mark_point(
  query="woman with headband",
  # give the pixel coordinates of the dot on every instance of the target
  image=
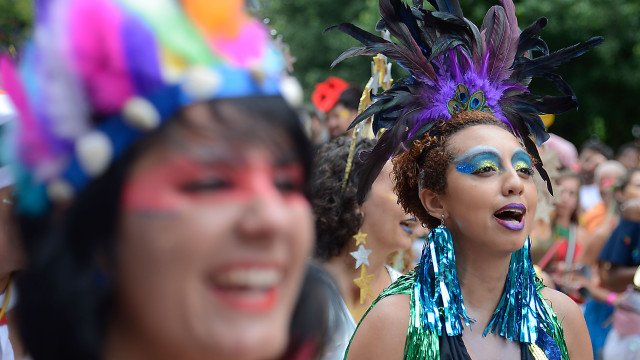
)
(355, 241)
(462, 130)
(161, 186)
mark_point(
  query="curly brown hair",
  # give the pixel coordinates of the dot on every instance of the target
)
(425, 163)
(337, 212)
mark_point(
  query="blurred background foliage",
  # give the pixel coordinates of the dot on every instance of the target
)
(607, 80)
(15, 22)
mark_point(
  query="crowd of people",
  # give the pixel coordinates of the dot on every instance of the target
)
(165, 195)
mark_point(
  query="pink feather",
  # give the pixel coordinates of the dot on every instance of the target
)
(247, 48)
(97, 52)
(33, 145)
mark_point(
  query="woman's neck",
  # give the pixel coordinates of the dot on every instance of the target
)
(482, 279)
(124, 342)
(564, 221)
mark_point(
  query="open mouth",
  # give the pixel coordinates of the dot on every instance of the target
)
(408, 224)
(247, 289)
(511, 216)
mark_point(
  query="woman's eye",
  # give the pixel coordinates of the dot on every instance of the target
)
(485, 169)
(206, 185)
(527, 171)
(288, 185)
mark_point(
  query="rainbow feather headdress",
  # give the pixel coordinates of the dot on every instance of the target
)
(100, 74)
(455, 66)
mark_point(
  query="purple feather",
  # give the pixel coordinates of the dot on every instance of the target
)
(500, 33)
(141, 55)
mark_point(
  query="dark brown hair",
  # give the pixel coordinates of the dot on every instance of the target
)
(337, 211)
(425, 163)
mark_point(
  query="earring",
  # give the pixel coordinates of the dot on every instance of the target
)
(438, 286)
(521, 311)
(362, 261)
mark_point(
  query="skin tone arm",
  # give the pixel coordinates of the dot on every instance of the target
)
(616, 278)
(382, 333)
(575, 328)
(595, 241)
(631, 209)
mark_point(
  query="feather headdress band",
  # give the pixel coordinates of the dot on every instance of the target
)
(454, 66)
(100, 74)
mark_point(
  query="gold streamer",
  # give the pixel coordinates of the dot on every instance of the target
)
(380, 79)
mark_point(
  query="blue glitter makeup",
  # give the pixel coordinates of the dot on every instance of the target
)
(478, 158)
(521, 160)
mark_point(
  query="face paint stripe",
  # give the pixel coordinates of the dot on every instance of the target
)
(477, 158)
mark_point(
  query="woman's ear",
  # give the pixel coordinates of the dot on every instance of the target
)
(432, 203)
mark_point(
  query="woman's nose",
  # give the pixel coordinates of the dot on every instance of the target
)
(513, 183)
(266, 212)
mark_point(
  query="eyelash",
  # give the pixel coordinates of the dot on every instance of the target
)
(284, 184)
(488, 168)
(288, 185)
(206, 185)
(527, 171)
(524, 168)
(485, 169)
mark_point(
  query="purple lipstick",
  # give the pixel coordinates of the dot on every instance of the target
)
(511, 216)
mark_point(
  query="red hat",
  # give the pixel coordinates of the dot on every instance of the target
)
(326, 94)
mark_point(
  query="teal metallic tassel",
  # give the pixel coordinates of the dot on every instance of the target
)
(437, 286)
(521, 313)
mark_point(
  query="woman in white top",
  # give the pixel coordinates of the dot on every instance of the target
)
(354, 242)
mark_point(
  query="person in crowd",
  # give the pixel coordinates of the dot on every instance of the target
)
(592, 154)
(600, 221)
(11, 252)
(629, 155)
(162, 187)
(616, 264)
(341, 115)
(621, 254)
(623, 342)
(318, 132)
(339, 101)
(555, 246)
(565, 151)
(354, 241)
(460, 132)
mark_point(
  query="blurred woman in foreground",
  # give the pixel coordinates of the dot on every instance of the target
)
(162, 186)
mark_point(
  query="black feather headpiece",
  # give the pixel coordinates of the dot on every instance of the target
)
(454, 66)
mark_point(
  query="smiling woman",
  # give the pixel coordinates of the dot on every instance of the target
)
(163, 187)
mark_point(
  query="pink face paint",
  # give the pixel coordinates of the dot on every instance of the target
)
(180, 181)
(152, 189)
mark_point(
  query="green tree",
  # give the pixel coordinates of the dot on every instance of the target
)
(606, 80)
(15, 22)
(302, 25)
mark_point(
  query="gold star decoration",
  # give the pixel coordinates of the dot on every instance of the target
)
(364, 283)
(361, 238)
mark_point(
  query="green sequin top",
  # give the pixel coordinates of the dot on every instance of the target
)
(424, 344)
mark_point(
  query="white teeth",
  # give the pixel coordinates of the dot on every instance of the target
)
(249, 278)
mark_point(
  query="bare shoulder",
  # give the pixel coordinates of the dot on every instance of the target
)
(382, 333)
(562, 305)
(573, 324)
